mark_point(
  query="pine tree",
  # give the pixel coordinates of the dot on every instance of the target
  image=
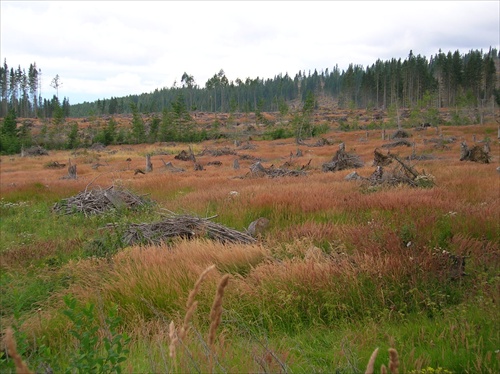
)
(138, 129)
(9, 142)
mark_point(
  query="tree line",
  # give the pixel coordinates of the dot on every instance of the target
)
(20, 92)
(450, 78)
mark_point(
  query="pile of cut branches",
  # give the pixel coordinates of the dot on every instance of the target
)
(34, 151)
(401, 173)
(319, 143)
(182, 226)
(441, 142)
(98, 201)
(258, 170)
(218, 152)
(343, 160)
(54, 165)
(397, 143)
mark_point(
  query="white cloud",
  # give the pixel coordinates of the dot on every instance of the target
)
(103, 49)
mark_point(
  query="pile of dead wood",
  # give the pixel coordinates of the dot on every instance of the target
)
(400, 134)
(218, 152)
(182, 226)
(400, 174)
(381, 159)
(98, 201)
(186, 156)
(258, 170)
(171, 168)
(398, 143)
(342, 161)
(54, 165)
(319, 143)
(247, 146)
(475, 154)
(34, 151)
(441, 142)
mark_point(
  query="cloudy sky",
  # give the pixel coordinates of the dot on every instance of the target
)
(103, 49)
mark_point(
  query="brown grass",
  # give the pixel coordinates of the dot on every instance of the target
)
(10, 343)
(359, 231)
(191, 303)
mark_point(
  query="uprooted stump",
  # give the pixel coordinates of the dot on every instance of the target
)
(258, 170)
(98, 201)
(400, 134)
(182, 226)
(343, 160)
(186, 156)
(475, 154)
(381, 159)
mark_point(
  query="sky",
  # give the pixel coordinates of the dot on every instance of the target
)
(110, 49)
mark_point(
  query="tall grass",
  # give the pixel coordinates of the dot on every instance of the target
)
(340, 271)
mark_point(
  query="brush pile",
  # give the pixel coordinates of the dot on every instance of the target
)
(99, 201)
(397, 143)
(217, 152)
(400, 174)
(182, 226)
(34, 151)
(54, 165)
(343, 160)
(258, 170)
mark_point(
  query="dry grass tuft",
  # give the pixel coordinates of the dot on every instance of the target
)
(371, 362)
(174, 339)
(191, 303)
(10, 343)
(393, 361)
(216, 311)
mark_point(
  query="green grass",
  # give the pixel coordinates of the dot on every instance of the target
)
(281, 311)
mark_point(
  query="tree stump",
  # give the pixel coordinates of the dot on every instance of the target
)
(257, 227)
(72, 172)
(149, 165)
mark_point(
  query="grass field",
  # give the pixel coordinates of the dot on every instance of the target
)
(342, 269)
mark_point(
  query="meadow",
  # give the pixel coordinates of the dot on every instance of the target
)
(343, 268)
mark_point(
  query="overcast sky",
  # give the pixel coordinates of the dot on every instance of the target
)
(111, 49)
